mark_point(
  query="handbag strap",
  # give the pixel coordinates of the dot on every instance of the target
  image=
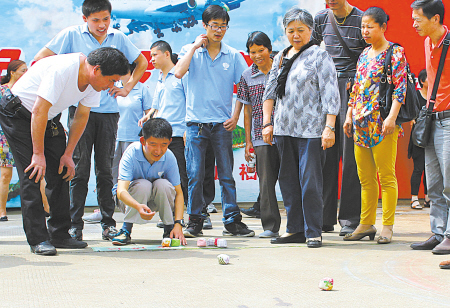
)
(386, 77)
(439, 72)
(339, 36)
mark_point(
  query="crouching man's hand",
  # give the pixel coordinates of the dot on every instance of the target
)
(145, 212)
(177, 232)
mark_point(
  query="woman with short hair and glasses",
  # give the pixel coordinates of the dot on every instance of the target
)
(303, 84)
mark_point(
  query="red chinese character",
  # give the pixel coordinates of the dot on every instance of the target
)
(244, 173)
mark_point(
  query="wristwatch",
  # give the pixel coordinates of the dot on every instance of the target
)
(331, 127)
(179, 221)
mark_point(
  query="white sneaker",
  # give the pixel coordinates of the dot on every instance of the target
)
(211, 208)
(93, 218)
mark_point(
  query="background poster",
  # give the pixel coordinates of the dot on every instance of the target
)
(29, 24)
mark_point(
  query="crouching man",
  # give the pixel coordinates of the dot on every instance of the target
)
(149, 181)
(38, 141)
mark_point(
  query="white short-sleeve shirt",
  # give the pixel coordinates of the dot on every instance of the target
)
(55, 79)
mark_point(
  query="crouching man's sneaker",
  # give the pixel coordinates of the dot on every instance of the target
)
(69, 243)
(109, 233)
(237, 229)
(122, 238)
(194, 227)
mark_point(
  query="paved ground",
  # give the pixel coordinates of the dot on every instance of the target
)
(259, 275)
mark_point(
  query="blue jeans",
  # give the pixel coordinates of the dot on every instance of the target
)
(197, 137)
(437, 168)
(301, 183)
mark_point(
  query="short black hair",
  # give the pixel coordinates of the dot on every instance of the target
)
(158, 128)
(94, 6)
(377, 14)
(422, 77)
(215, 12)
(163, 46)
(258, 38)
(430, 8)
(111, 61)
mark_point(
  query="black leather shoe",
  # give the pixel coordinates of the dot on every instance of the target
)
(429, 244)
(44, 248)
(251, 212)
(443, 248)
(69, 243)
(294, 238)
(327, 228)
(314, 243)
(346, 230)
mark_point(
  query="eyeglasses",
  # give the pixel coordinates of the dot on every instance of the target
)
(215, 27)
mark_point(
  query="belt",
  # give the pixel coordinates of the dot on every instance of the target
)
(440, 115)
(345, 74)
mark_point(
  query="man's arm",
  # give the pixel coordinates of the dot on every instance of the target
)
(177, 231)
(248, 129)
(148, 114)
(39, 118)
(43, 53)
(76, 130)
(231, 123)
(141, 66)
(182, 65)
(124, 196)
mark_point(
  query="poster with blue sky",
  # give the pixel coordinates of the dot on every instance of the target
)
(29, 24)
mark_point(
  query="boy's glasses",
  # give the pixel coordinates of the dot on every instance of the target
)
(215, 27)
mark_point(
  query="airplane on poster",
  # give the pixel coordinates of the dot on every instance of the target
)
(144, 15)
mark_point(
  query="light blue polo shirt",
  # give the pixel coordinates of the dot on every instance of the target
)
(134, 166)
(170, 100)
(209, 92)
(131, 109)
(79, 39)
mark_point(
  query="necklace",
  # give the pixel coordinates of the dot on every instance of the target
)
(341, 23)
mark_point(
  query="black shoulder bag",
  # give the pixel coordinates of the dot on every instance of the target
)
(422, 130)
(410, 108)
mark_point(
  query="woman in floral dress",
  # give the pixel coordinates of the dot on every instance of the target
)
(375, 137)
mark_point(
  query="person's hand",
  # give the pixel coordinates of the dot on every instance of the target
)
(177, 232)
(348, 127)
(201, 41)
(67, 161)
(115, 91)
(145, 212)
(144, 119)
(267, 134)
(38, 165)
(328, 138)
(248, 146)
(184, 138)
(412, 123)
(230, 124)
(388, 126)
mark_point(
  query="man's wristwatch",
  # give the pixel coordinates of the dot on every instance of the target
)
(179, 221)
(331, 127)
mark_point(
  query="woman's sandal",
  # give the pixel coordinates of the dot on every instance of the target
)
(416, 205)
(427, 203)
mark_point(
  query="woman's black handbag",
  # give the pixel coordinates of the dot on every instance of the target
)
(422, 130)
(410, 108)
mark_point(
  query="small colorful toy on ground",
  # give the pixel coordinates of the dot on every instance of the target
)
(326, 284)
